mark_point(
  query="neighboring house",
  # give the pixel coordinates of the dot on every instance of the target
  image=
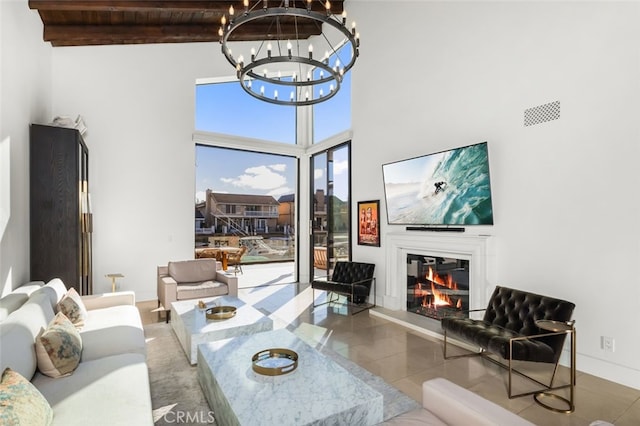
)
(240, 213)
(319, 211)
(340, 209)
(287, 213)
(200, 225)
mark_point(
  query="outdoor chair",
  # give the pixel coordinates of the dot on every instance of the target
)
(320, 257)
(235, 259)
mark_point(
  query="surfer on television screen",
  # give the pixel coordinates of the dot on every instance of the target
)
(439, 186)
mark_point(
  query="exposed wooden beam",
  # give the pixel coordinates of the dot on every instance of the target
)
(80, 35)
(130, 6)
(158, 5)
(93, 22)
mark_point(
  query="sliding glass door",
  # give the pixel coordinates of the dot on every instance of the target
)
(330, 209)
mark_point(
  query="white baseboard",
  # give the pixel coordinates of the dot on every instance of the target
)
(607, 370)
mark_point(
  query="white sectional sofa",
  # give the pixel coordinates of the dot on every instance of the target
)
(17, 298)
(445, 403)
(110, 386)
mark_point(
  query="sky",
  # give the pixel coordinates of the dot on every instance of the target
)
(242, 172)
(226, 108)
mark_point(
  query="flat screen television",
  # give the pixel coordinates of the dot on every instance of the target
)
(444, 188)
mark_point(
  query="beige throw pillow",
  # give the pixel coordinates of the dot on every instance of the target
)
(59, 347)
(73, 308)
(21, 403)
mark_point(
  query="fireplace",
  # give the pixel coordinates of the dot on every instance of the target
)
(437, 286)
(473, 253)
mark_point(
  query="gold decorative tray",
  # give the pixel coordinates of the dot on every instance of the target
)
(275, 362)
(221, 312)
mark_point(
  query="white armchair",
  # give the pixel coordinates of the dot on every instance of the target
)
(193, 279)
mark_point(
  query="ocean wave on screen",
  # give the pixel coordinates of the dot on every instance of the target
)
(465, 199)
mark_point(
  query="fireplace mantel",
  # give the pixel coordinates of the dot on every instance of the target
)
(474, 248)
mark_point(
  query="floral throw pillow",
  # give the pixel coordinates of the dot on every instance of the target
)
(59, 347)
(72, 307)
(21, 403)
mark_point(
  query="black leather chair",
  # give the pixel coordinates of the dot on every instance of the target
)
(508, 329)
(351, 279)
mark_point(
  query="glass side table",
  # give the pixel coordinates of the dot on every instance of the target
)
(568, 328)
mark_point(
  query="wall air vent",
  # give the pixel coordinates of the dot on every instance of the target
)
(542, 113)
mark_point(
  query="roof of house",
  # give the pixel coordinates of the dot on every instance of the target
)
(289, 198)
(248, 199)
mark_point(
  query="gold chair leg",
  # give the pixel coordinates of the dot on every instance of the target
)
(329, 300)
(444, 351)
(509, 366)
(367, 305)
(510, 369)
(470, 354)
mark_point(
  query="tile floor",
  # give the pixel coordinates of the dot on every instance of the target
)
(405, 358)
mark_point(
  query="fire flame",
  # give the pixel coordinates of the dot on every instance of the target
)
(438, 298)
(435, 278)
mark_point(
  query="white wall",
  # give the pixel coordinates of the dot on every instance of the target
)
(138, 103)
(566, 197)
(25, 97)
(565, 192)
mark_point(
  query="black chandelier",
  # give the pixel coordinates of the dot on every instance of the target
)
(284, 67)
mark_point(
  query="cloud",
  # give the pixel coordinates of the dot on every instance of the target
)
(340, 167)
(280, 191)
(262, 178)
(278, 167)
(201, 196)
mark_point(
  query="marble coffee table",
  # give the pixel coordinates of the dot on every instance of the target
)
(317, 392)
(191, 332)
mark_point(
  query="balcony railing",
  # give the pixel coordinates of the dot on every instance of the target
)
(260, 214)
(204, 230)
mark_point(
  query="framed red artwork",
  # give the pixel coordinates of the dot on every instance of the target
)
(369, 223)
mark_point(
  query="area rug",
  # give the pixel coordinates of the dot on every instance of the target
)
(177, 398)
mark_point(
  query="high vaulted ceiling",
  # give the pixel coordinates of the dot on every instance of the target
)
(99, 22)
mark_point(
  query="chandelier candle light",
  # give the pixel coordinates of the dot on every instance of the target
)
(285, 62)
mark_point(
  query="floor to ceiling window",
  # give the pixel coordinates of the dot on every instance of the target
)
(331, 182)
(245, 192)
(246, 173)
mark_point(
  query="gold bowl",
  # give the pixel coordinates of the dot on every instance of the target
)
(274, 362)
(221, 312)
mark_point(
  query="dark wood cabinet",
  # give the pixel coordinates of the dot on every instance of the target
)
(60, 207)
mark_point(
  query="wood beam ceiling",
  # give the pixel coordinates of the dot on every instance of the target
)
(102, 22)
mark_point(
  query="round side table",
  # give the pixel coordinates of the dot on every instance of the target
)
(567, 328)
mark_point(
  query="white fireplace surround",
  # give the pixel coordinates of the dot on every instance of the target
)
(474, 248)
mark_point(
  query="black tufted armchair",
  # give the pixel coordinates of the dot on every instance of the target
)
(350, 279)
(508, 329)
